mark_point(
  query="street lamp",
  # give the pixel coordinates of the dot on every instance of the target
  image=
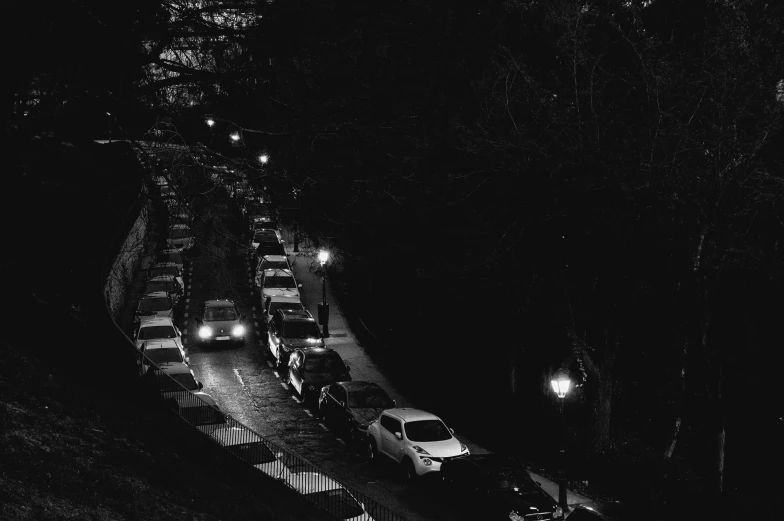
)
(210, 122)
(263, 159)
(295, 191)
(561, 384)
(323, 308)
(109, 121)
(235, 136)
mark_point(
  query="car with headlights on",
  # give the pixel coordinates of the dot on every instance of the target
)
(250, 448)
(279, 283)
(496, 487)
(172, 255)
(312, 368)
(156, 328)
(289, 330)
(417, 440)
(156, 304)
(219, 323)
(166, 268)
(353, 406)
(165, 283)
(329, 495)
(179, 237)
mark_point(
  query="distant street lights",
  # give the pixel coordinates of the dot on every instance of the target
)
(323, 309)
(561, 385)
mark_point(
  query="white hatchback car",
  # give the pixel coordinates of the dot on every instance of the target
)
(156, 328)
(278, 283)
(329, 495)
(417, 440)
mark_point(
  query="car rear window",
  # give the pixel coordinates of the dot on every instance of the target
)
(304, 329)
(169, 383)
(273, 265)
(325, 363)
(152, 332)
(164, 355)
(179, 233)
(255, 453)
(176, 258)
(279, 281)
(154, 304)
(288, 306)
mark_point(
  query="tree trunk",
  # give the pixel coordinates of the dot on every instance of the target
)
(603, 405)
(679, 420)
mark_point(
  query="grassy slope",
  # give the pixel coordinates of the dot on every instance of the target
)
(67, 454)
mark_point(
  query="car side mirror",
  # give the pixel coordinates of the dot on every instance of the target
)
(399, 436)
(201, 386)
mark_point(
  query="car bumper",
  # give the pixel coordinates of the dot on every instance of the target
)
(222, 340)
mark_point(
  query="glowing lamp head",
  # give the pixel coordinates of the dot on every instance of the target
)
(561, 385)
(210, 122)
(235, 136)
(323, 256)
(263, 159)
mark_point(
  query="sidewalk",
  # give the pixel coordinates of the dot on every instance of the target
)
(342, 340)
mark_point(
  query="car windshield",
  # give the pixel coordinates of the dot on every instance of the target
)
(273, 265)
(427, 430)
(325, 363)
(288, 306)
(371, 397)
(262, 236)
(161, 285)
(265, 225)
(271, 248)
(337, 502)
(151, 332)
(154, 304)
(279, 281)
(179, 233)
(164, 355)
(304, 329)
(510, 478)
(176, 258)
(255, 453)
(186, 380)
(220, 314)
(170, 270)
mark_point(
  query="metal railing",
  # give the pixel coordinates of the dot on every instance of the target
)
(268, 457)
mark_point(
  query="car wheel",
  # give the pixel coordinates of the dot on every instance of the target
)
(371, 451)
(409, 472)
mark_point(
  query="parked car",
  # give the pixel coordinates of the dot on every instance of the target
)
(175, 378)
(602, 511)
(156, 328)
(497, 487)
(273, 303)
(271, 262)
(198, 409)
(250, 448)
(161, 353)
(166, 268)
(312, 368)
(329, 495)
(155, 304)
(289, 330)
(165, 283)
(353, 406)
(172, 255)
(269, 248)
(417, 440)
(279, 283)
(180, 237)
(180, 218)
(266, 223)
(264, 236)
(219, 322)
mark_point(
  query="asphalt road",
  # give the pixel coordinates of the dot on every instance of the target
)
(244, 384)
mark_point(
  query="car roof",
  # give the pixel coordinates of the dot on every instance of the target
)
(274, 258)
(271, 272)
(310, 482)
(179, 226)
(156, 321)
(175, 368)
(162, 278)
(163, 343)
(155, 294)
(218, 303)
(284, 298)
(295, 314)
(408, 414)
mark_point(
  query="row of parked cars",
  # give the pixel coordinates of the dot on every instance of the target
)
(497, 487)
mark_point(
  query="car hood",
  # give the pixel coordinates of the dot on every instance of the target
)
(529, 501)
(440, 449)
(295, 343)
(221, 326)
(366, 415)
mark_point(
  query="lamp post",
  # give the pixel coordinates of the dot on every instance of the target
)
(561, 384)
(296, 221)
(109, 125)
(323, 309)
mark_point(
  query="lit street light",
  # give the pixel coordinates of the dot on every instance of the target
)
(235, 136)
(561, 384)
(210, 122)
(263, 159)
(323, 308)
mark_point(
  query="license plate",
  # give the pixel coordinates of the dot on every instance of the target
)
(221, 338)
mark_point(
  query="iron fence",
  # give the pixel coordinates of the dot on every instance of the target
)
(182, 394)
